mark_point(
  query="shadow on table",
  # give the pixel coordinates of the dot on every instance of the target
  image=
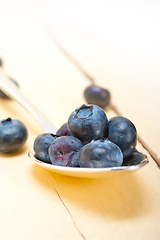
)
(119, 197)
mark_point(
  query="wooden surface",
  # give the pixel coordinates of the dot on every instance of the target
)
(37, 204)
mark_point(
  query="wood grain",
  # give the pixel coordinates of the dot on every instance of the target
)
(37, 204)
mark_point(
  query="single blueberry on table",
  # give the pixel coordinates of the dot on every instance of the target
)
(97, 95)
(88, 122)
(100, 154)
(13, 135)
(64, 151)
(63, 130)
(41, 146)
(122, 132)
(3, 95)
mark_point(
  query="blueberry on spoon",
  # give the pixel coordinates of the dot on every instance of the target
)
(88, 122)
(64, 151)
(122, 132)
(64, 130)
(41, 146)
(134, 158)
(100, 154)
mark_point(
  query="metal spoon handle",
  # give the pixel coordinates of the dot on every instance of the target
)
(9, 88)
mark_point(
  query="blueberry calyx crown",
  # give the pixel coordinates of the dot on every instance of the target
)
(99, 139)
(5, 121)
(54, 135)
(84, 111)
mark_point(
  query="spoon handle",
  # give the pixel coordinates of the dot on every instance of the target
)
(9, 88)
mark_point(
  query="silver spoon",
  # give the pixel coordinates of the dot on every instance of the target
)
(9, 88)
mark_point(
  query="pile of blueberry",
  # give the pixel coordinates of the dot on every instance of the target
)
(89, 140)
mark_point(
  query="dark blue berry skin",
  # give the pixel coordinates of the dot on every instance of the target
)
(13, 135)
(134, 158)
(3, 95)
(87, 123)
(122, 132)
(100, 154)
(41, 146)
(64, 151)
(97, 95)
(63, 130)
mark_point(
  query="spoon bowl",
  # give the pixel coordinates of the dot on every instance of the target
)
(13, 92)
(89, 172)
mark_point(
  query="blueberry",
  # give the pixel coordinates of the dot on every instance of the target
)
(87, 123)
(134, 158)
(97, 95)
(1, 62)
(63, 130)
(122, 132)
(13, 135)
(64, 151)
(3, 95)
(41, 146)
(100, 154)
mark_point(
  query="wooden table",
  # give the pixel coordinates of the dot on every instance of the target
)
(38, 204)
